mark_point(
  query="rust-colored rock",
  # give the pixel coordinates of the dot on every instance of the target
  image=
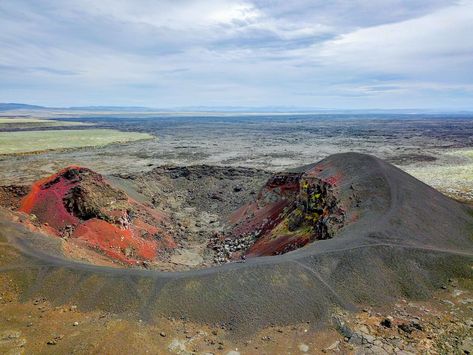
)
(293, 209)
(80, 204)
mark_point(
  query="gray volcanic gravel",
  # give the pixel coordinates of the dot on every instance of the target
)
(404, 239)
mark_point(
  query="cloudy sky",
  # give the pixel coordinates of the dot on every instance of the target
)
(174, 53)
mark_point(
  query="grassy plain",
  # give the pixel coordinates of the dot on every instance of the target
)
(37, 141)
(31, 122)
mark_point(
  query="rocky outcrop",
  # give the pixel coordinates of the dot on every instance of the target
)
(291, 210)
(80, 205)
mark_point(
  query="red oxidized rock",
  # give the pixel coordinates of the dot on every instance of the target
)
(80, 204)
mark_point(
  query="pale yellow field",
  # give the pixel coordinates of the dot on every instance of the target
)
(37, 141)
(26, 122)
(455, 180)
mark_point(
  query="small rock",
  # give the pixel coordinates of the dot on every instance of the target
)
(10, 335)
(410, 327)
(387, 323)
(178, 346)
(356, 339)
(369, 338)
(396, 342)
(75, 324)
(342, 328)
(364, 329)
(303, 347)
(52, 342)
(334, 345)
(466, 346)
(416, 324)
(378, 350)
(163, 334)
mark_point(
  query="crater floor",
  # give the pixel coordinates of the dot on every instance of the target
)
(179, 218)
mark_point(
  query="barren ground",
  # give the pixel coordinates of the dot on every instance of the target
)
(169, 172)
(434, 148)
(442, 325)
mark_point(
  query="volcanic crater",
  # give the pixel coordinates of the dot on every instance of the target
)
(352, 229)
(179, 218)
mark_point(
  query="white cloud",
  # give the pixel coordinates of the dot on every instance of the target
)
(440, 40)
(237, 52)
(172, 14)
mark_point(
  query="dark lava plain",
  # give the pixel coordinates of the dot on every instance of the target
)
(404, 240)
(271, 142)
(435, 148)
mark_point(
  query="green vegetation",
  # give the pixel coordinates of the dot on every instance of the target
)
(29, 122)
(37, 141)
(21, 120)
(463, 152)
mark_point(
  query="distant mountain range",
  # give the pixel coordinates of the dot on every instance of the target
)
(19, 106)
(226, 109)
(16, 106)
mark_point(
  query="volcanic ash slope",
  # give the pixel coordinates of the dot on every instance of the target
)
(400, 238)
